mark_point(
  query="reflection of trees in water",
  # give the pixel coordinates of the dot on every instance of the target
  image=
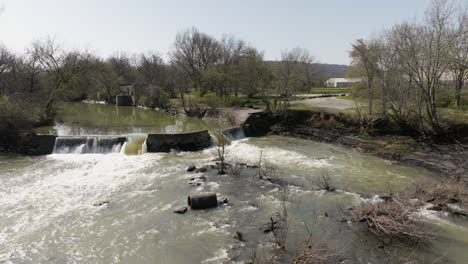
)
(86, 119)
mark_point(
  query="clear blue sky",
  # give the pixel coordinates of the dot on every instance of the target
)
(326, 27)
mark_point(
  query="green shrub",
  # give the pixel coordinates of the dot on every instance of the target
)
(163, 99)
(14, 119)
(212, 100)
(444, 98)
(144, 100)
(235, 101)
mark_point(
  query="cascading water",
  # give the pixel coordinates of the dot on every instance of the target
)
(88, 144)
(135, 144)
(235, 133)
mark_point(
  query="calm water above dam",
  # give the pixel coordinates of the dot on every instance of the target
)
(48, 212)
(103, 119)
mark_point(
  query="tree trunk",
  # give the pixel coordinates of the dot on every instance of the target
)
(459, 81)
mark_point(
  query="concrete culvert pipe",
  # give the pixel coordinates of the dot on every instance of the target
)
(202, 200)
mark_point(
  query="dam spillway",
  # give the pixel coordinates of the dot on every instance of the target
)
(88, 144)
(130, 144)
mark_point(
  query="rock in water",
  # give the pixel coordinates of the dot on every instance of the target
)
(239, 236)
(191, 168)
(200, 170)
(224, 201)
(181, 210)
(101, 203)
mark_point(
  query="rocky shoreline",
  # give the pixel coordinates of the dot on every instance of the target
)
(445, 158)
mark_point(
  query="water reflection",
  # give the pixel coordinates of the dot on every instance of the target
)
(99, 119)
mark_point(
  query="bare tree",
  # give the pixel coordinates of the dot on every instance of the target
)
(122, 65)
(307, 59)
(364, 54)
(288, 71)
(459, 53)
(405, 66)
(425, 53)
(194, 52)
(33, 66)
(6, 60)
(60, 66)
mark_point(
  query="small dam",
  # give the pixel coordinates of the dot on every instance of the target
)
(131, 144)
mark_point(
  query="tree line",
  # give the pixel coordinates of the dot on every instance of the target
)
(198, 66)
(409, 69)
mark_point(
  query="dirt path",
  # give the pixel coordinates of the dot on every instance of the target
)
(327, 102)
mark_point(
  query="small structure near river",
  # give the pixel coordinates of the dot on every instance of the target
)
(126, 97)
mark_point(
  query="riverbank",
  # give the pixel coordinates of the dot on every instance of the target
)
(445, 158)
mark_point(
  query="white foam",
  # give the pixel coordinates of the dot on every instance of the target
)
(219, 257)
(243, 151)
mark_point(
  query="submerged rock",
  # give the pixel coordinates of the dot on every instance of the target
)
(223, 201)
(438, 207)
(239, 236)
(202, 169)
(191, 168)
(101, 203)
(181, 210)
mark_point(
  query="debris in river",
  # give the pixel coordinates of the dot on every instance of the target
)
(342, 220)
(386, 197)
(397, 218)
(181, 210)
(325, 184)
(202, 200)
(273, 224)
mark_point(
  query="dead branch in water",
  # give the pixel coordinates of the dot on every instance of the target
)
(393, 219)
(315, 253)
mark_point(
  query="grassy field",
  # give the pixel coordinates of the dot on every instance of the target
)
(330, 90)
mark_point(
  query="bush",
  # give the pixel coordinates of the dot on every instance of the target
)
(14, 119)
(234, 101)
(449, 192)
(212, 100)
(144, 100)
(444, 98)
(163, 100)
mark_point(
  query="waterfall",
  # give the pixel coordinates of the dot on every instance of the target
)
(135, 144)
(234, 133)
(88, 144)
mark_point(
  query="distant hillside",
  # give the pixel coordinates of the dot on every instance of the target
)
(331, 70)
(325, 70)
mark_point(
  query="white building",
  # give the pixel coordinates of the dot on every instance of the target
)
(341, 82)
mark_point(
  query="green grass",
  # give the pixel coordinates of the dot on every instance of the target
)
(330, 90)
(304, 107)
(459, 116)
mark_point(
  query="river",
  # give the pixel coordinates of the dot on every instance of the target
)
(118, 208)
